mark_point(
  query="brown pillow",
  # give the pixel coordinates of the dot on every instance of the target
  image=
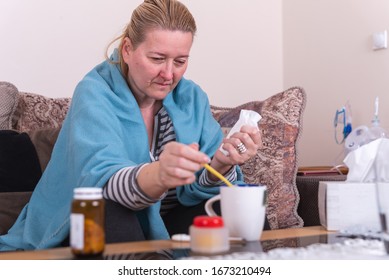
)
(44, 140)
(275, 164)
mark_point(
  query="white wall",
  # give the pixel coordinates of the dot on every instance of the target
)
(244, 50)
(328, 51)
(47, 46)
(237, 54)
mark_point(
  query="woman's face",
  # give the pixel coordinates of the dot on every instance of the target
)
(156, 65)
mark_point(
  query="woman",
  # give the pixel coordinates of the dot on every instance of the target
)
(139, 130)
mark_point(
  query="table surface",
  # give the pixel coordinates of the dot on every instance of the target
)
(160, 245)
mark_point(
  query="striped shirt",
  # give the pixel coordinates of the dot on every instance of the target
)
(123, 187)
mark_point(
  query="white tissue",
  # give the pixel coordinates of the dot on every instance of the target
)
(369, 163)
(246, 117)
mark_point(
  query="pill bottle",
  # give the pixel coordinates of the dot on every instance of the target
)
(208, 235)
(87, 235)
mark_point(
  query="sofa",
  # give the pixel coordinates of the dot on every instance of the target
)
(30, 123)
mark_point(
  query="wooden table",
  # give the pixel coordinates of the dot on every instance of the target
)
(154, 245)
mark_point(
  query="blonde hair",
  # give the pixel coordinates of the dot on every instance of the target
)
(154, 14)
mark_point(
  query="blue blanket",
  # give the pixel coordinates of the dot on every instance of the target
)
(102, 133)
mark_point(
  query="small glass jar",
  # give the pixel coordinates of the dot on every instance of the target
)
(87, 234)
(208, 235)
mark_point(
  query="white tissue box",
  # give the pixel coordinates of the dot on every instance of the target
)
(344, 205)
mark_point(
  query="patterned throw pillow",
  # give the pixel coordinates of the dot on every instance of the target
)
(35, 112)
(275, 164)
(8, 102)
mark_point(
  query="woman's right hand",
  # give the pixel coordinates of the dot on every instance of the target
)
(176, 166)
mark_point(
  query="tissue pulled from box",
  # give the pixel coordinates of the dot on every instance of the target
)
(246, 117)
(369, 163)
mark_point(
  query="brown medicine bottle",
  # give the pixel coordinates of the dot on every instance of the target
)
(87, 235)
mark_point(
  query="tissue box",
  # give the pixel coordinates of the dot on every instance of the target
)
(344, 205)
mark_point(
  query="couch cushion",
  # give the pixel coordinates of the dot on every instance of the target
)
(275, 164)
(8, 103)
(11, 203)
(36, 112)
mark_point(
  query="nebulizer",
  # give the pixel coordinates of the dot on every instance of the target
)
(362, 135)
(353, 138)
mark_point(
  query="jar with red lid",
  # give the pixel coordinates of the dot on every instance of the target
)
(208, 235)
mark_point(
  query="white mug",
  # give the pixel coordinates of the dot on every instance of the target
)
(243, 208)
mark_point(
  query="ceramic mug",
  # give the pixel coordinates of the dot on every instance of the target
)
(243, 208)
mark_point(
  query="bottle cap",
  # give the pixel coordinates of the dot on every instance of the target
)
(88, 193)
(208, 221)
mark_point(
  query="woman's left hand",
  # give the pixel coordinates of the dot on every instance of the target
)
(241, 146)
